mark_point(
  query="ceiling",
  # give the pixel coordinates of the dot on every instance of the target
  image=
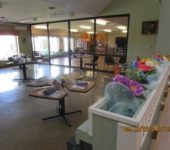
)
(35, 11)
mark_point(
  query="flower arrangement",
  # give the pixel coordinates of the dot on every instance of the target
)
(135, 87)
(145, 65)
(137, 75)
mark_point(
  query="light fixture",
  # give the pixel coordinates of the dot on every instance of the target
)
(73, 30)
(28, 20)
(121, 27)
(124, 31)
(85, 27)
(40, 27)
(90, 32)
(100, 22)
(107, 30)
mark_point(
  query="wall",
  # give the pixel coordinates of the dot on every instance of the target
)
(163, 44)
(139, 10)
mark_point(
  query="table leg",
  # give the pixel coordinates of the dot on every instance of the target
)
(23, 66)
(24, 72)
(81, 63)
(62, 112)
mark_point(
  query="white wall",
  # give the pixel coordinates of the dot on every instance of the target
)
(163, 40)
(139, 10)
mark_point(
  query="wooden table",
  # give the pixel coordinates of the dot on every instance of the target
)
(72, 88)
(40, 82)
(60, 97)
(73, 76)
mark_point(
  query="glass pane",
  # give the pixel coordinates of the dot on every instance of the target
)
(111, 38)
(8, 46)
(40, 43)
(59, 43)
(81, 41)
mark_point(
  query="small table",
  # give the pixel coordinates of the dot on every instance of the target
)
(72, 88)
(59, 96)
(24, 69)
(40, 82)
(73, 76)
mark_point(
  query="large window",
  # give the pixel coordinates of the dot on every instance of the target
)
(54, 44)
(40, 44)
(71, 40)
(58, 35)
(8, 46)
(65, 39)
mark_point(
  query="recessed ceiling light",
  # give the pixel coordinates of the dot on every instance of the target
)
(100, 21)
(121, 27)
(40, 26)
(73, 30)
(85, 27)
(28, 20)
(124, 31)
(107, 30)
(90, 32)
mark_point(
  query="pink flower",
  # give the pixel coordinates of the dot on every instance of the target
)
(136, 88)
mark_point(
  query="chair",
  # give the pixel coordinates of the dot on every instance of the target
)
(122, 60)
(93, 63)
(109, 60)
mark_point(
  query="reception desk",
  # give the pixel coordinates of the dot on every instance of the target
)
(106, 130)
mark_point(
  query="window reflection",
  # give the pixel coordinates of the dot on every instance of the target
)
(59, 50)
(109, 42)
(40, 43)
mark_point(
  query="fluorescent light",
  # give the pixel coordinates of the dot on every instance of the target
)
(90, 32)
(85, 27)
(27, 20)
(107, 30)
(40, 26)
(100, 22)
(121, 27)
(73, 30)
(124, 31)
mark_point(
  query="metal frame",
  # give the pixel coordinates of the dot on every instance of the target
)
(94, 37)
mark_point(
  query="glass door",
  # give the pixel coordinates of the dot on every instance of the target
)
(40, 43)
(111, 41)
(81, 42)
(59, 48)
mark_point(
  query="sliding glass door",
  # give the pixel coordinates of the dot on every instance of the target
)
(40, 43)
(59, 49)
(75, 42)
(81, 40)
(111, 41)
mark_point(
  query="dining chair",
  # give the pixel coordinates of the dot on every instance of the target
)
(92, 63)
(109, 60)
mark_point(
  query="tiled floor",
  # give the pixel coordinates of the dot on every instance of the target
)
(75, 61)
(21, 127)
